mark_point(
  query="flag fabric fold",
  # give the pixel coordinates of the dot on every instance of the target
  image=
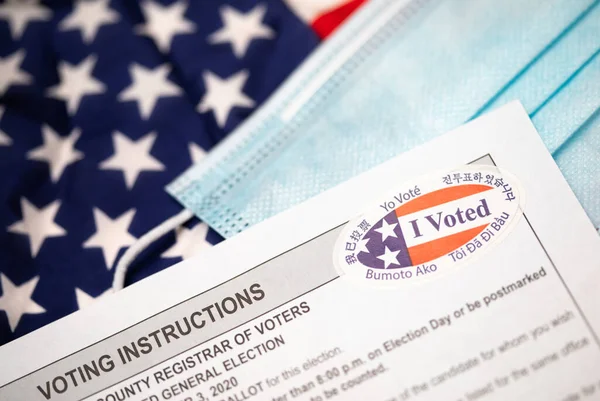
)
(103, 103)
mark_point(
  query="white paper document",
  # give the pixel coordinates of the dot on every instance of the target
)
(463, 270)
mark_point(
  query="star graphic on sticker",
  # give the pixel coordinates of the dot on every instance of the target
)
(148, 85)
(5, 140)
(38, 224)
(389, 257)
(58, 152)
(164, 22)
(240, 29)
(132, 157)
(197, 154)
(76, 81)
(189, 242)
(224, 94)
(19, 13)
(16, 300)
(88, 16)
(111, 235)
(84, 299)
(10, 73)
(361, 246)
(387, 230)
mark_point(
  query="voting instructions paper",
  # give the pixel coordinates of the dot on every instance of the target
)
(463, 270)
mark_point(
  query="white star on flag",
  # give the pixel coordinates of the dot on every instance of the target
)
(111, 235)
(10, 73)
(148, 85)
(389, 257)
(5, 140)
(76, 81)
(197, 154)
(84, 299)
(164, 22)
(240, 29)
(88, 16)
(58, 152)
(132, 157)
(38, 224)
(16, 300)
(19, 13)
(189, 242)
(223, 94)
(387, 230)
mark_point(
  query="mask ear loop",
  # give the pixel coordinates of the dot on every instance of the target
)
(142, 244)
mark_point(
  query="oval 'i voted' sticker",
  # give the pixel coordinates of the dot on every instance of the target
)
(429, 226)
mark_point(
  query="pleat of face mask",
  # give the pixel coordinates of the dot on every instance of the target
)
(426, 69)
(555, 66)
(567, 110)
(579, 161)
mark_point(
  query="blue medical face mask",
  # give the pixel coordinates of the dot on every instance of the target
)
(398, 74)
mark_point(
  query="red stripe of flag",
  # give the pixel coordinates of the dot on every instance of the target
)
(326, 23)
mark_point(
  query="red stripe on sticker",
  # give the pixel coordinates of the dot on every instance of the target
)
(431, 250)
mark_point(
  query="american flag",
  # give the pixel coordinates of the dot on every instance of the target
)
(103, 103)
